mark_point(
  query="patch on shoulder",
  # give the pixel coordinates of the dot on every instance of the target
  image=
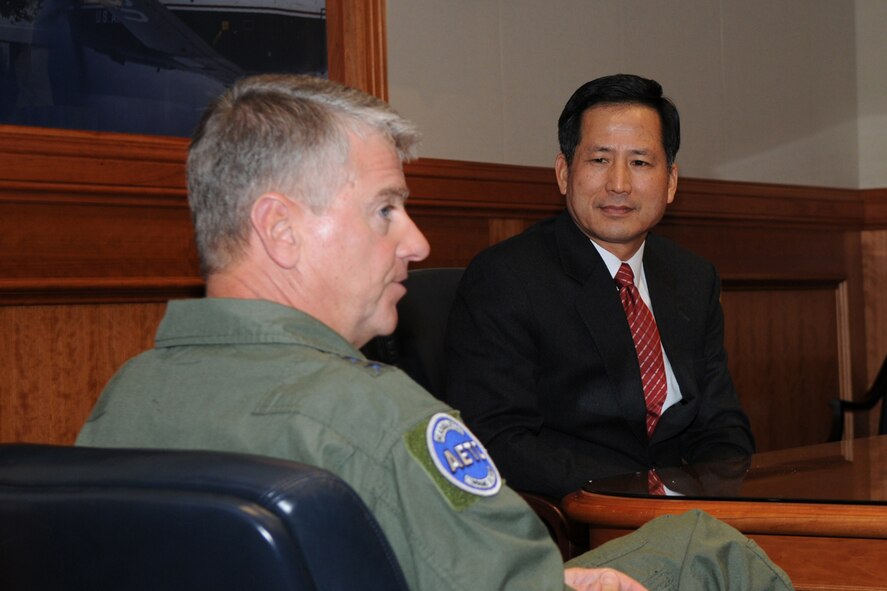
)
(456, 460)
(460, 457)
(373, 368)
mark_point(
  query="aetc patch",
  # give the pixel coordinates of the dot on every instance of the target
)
(460, 457)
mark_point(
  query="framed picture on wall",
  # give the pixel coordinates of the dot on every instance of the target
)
(145, 66)
(92, 216)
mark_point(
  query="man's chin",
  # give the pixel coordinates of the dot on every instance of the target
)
(391, 325)
(386, 326)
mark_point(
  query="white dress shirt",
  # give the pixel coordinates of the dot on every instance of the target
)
(636, 262)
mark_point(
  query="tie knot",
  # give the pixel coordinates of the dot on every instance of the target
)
(624, 276)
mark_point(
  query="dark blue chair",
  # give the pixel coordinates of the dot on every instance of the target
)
(100, 519)
(417, 346)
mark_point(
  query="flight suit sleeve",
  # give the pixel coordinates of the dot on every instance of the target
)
(692, 550)
(480, 535)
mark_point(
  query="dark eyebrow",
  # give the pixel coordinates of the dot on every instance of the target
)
(638, 151)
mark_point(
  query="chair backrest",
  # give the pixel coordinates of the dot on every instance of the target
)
(879, 390)
(418, 348)
(876, 394)
(417, 345)
(100, 519)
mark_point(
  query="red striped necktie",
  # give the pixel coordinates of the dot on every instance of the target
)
(647, 344)
(655, 486)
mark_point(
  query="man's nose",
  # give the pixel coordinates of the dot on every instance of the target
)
(414, 247)
(619, 178)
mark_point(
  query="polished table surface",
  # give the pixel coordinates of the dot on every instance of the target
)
(819, 511)
(852, 471)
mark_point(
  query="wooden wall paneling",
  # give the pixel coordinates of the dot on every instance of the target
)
(502, 228)
(786, 241)
(56, 360)
(875, 207)
(357, 50)
(95, 236)
(742, 251)
(786, 356)
(454, 238)
(874, 268)
(874, 286)
(513, 191)
(873, 242)
(844, 355)
(88, 216)
(101, 161)
(464, 207)
(120, 233)
(768, 205)
(856, 373)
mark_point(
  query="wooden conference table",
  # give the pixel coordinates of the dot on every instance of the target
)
(820, 512)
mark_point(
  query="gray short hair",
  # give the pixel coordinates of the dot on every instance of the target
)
(277, 132)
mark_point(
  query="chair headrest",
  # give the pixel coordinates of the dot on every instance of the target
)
(128, 518)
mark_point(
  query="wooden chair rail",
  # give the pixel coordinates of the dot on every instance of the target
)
(774, 518)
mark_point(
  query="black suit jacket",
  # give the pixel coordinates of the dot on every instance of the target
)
(541, 362)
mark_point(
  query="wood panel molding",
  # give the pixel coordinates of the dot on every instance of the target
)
(83, 209)
(357, 46)
(782, 363)
(778, 518)
(796, 536)
(92, 219)
(84, 164)
(95, 234)
(98, 290)
(477, 188)
(532, 190)
(766, 205)
(875, 205)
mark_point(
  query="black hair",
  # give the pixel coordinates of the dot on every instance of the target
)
(626, 89)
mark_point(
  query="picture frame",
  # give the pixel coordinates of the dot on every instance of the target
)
(102, 217)
(151, 66)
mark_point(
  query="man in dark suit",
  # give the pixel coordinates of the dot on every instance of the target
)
(542, 359)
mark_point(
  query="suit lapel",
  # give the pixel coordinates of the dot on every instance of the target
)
(597, 303)
(673, 321)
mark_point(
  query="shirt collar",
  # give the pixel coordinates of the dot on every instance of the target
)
(209, 321)
(636, 262)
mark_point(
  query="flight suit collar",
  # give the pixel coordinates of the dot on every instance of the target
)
(230, 321)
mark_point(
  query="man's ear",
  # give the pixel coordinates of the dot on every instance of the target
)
(672, 182)
(562, 172)
(274, 221)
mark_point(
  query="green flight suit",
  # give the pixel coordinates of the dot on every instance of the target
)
(256, 377)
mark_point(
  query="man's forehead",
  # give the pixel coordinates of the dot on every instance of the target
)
(629, 114)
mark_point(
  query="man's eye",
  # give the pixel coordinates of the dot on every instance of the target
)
(641, 163)
(386, 211)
